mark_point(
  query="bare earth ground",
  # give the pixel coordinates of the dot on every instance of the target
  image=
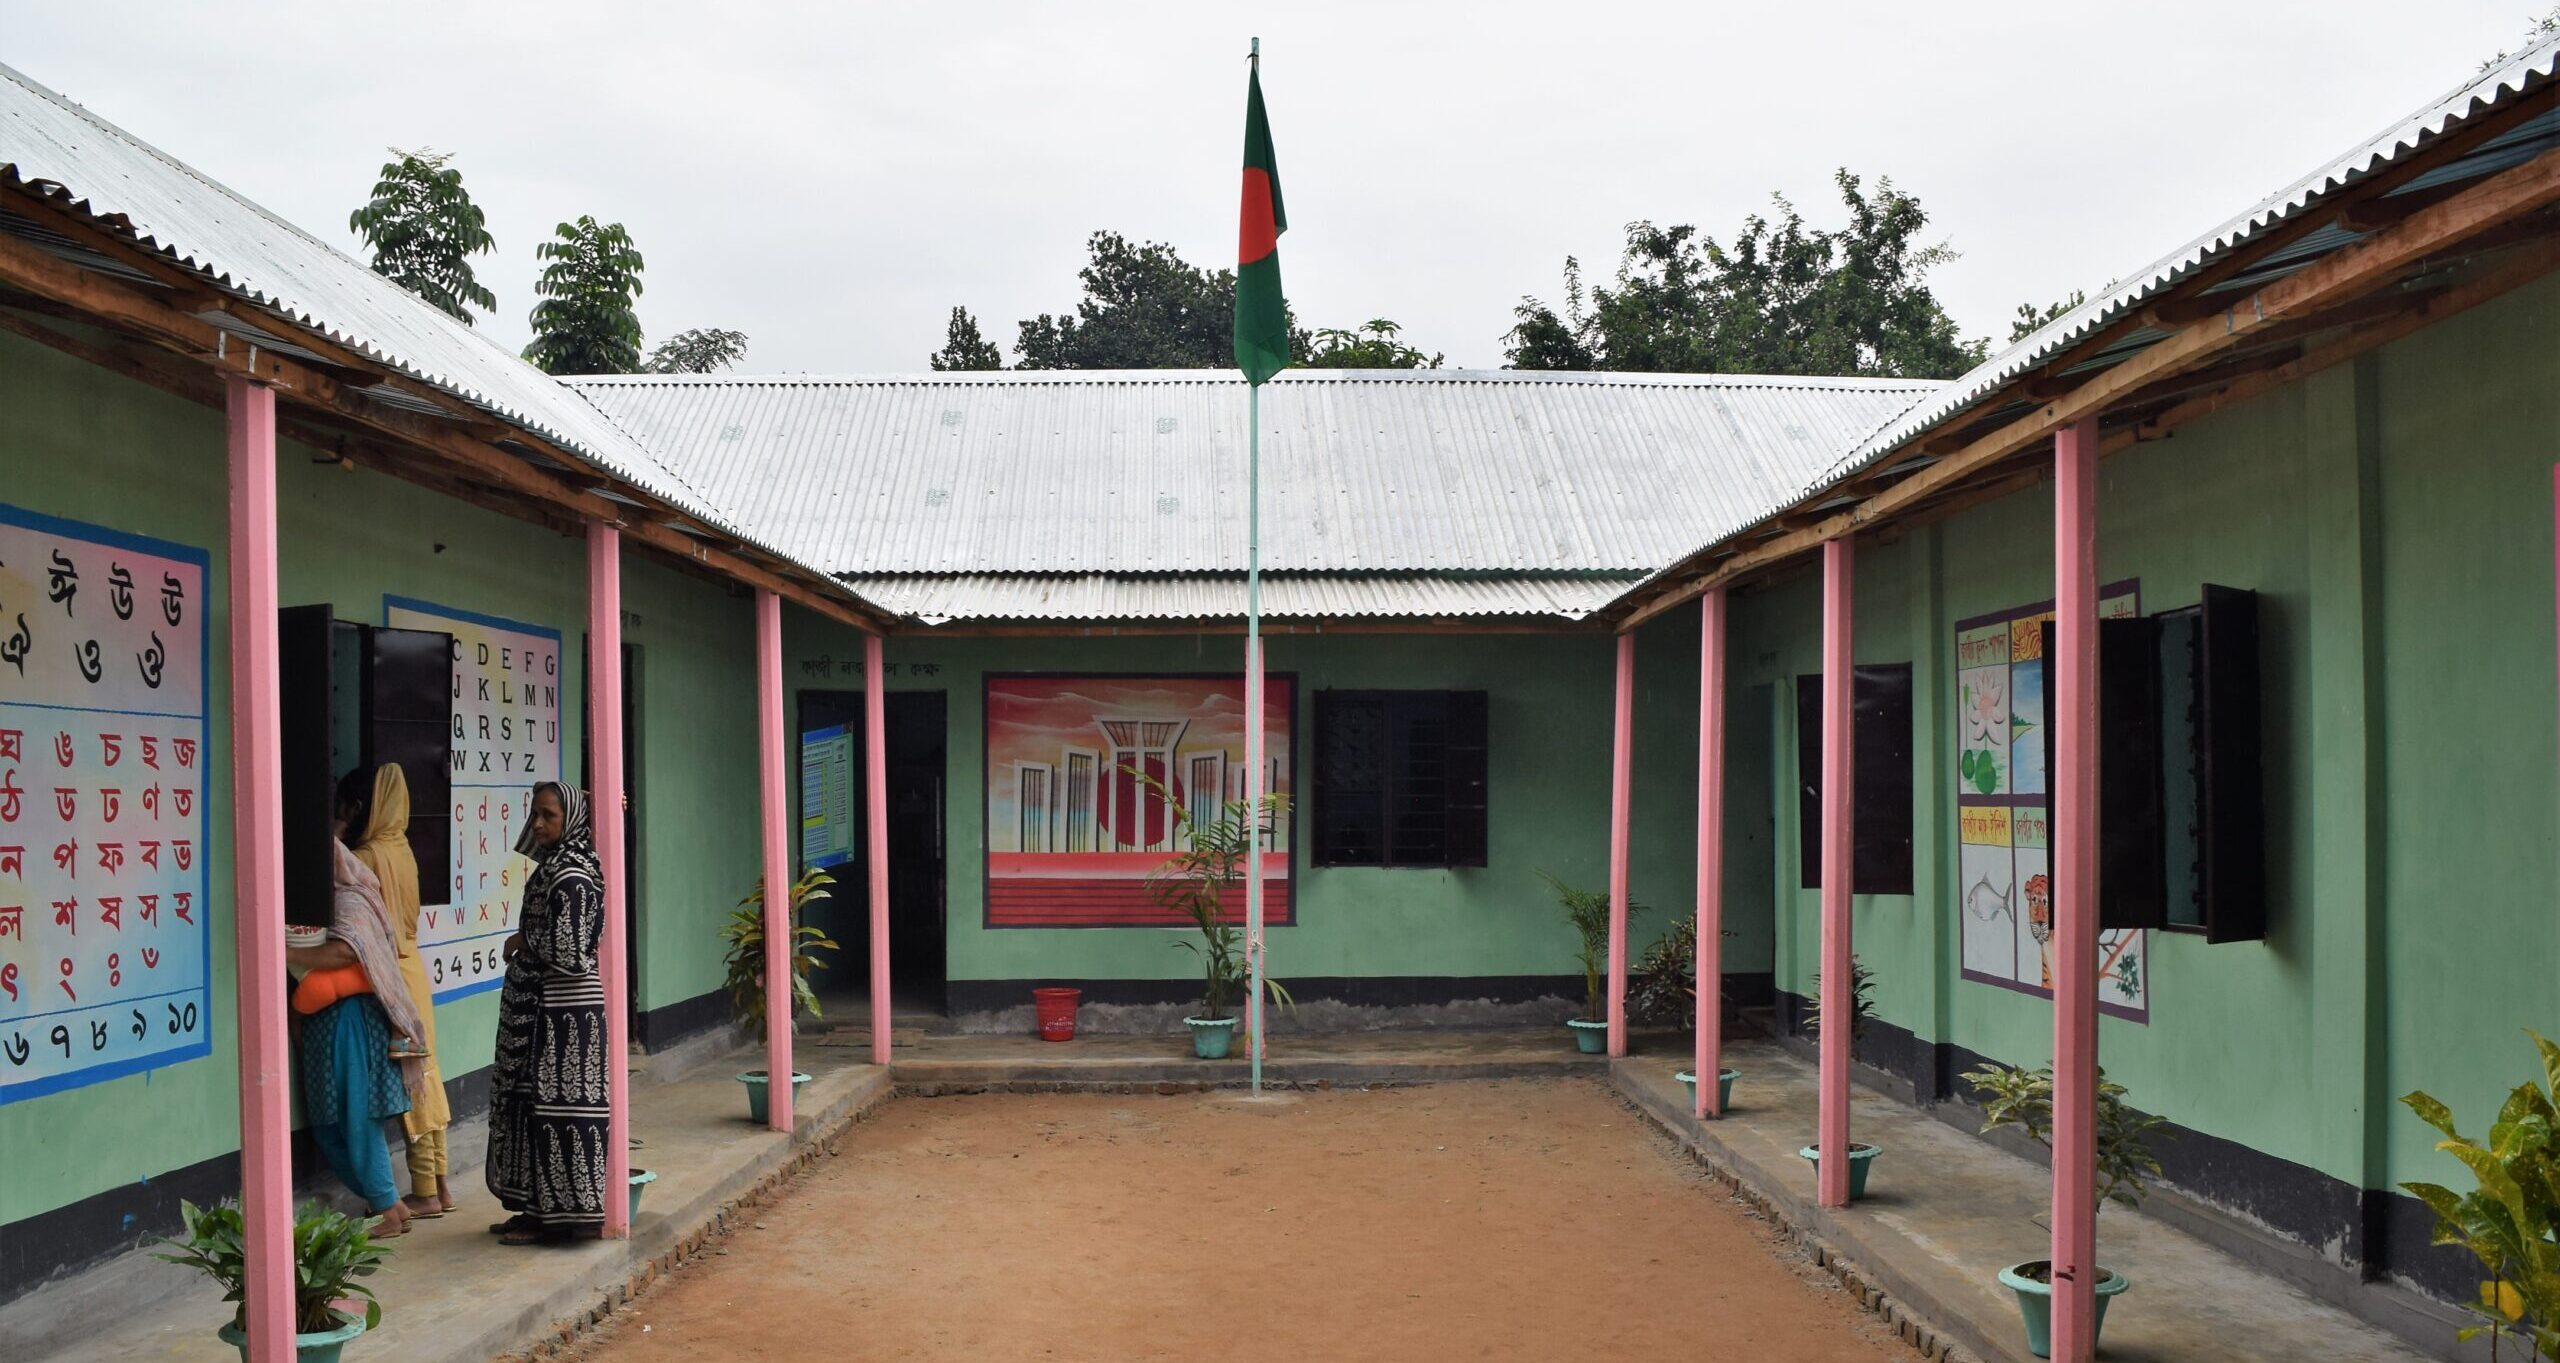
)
(1529, 1219)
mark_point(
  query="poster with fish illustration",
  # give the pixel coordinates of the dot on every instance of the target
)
(2004, 885)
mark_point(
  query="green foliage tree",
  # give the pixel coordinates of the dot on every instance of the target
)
(1144, 307)
(2031, 318)
(586, 322)
(424, 229)
(963, 348)
(331, 1251)
(1588, 912)
(1781, 297)
(2510, 1221)
(2023, 1099)
(1371, 346)
(743, 965)
(704, 350)
(1208, 864)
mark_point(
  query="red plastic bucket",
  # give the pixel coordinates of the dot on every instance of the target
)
(1057, 1010)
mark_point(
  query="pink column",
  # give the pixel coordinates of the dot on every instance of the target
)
(1710, 1056)
(257, 875)
(1839, 827)
(1621, 797)
(875, 808)
(604, 730)
(777, 864)
(2074, 788)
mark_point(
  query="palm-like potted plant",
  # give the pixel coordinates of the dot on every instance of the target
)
(1588, 912)
(2511, 1221)
(1862, 1010)
(2023, 1099)
(744, 932)
(1195, 882)
(331, 1252)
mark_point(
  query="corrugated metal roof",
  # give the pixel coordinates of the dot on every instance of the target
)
(47, 141)
(1144, 471)
(937, 599)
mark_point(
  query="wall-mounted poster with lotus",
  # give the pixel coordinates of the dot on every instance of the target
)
(2003, 854)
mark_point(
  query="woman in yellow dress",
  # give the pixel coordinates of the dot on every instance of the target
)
(382, 815)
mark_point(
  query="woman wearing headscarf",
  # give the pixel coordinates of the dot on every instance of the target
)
(349, 1082)
(379, 813)
(548, 1108)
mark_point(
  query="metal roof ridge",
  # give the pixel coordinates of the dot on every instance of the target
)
(1032, 378)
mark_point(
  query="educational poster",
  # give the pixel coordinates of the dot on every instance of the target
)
(826, 797)
(104, 969)
(1072, 832)
(2003, 857)
(506, 740)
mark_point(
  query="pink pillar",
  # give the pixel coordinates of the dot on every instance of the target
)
(2074, 788)
(257, 874)
(778, 926)
(1839, 827)
(1710, 1056)
(875, 809)
(1621, 798)
(604, 730)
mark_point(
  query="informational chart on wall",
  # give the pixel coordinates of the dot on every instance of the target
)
(826, 796)
(506, 740)
(1072, 830)
(2003, 856)
(104, 968)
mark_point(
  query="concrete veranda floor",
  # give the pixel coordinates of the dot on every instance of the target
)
(1946, 1210)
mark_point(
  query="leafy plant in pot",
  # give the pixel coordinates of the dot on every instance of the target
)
(2511, 1221)
(744, 932)
(1664, 993)
(1862, 1010)
(1588, 912)
(2023, 1099)
(331, 1251)
(1196, 882)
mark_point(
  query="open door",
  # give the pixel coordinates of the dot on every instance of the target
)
(832, 809)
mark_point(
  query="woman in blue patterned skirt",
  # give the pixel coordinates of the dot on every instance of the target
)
(548, 1118)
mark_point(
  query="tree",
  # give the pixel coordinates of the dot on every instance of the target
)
(2031, 319)
(1144, 307)
(1372, 346)
(1782, 298)
(704, 350)
(963, 348)
(585, 323)
(424, 229)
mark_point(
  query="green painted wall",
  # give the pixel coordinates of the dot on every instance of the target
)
(83, 444)
(2394, 516)
(1548, 801)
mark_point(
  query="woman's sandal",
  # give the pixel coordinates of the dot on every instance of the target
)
(516, 1222)
(422, 1208)
(523, 1235)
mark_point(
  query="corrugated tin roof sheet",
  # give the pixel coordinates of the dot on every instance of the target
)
(1144, 472)
(937, 599)
(197, 222)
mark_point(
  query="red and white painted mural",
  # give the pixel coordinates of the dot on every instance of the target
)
(1072, 832)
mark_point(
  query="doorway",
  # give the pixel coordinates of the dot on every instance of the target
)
(633, 788)
(832, 794)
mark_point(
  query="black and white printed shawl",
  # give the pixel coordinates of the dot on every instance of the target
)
(549, 1102)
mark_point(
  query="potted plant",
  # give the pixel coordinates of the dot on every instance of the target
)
(744, 932)
(1588, 911)
(1862, 1010)
(331, 1250)
(2013, 1097)
(1665, 994)
(1195, 882)
(2509, 1221)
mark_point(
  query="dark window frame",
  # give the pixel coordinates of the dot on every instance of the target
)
(1882, 855)
(1464, 805)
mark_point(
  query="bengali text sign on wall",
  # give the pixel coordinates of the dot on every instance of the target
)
(506, 740)
(104, 967)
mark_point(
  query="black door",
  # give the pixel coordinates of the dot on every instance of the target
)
(915, 722)
(632, 790)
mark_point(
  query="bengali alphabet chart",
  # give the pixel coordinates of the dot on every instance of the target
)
(506, 739)
(104, 962)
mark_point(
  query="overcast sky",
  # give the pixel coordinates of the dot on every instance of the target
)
(832, 179)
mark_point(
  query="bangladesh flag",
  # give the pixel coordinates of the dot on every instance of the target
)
(1262, 315)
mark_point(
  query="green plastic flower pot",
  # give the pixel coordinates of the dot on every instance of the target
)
(1724, 1089)
(758, 1107)
(642, 1178)
(1212, 1038)
(2035, 1302)
(1861, 1157)
(1590, 1038)
(322, 1347)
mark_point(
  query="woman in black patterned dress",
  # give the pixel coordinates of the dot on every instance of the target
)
(548, 1118)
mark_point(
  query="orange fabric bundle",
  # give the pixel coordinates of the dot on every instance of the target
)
(321, 988)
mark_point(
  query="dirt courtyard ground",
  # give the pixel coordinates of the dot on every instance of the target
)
(1531, 1219)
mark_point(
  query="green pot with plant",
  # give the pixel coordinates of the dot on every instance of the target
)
(2023, 1099)
(2511, 1221)
(1588, 912)
(744, 933)
(1664, 993)
(1862, 1010)
(331, 1252)
(1197, 882)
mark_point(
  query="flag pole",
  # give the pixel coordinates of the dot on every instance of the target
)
(1253, 707)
